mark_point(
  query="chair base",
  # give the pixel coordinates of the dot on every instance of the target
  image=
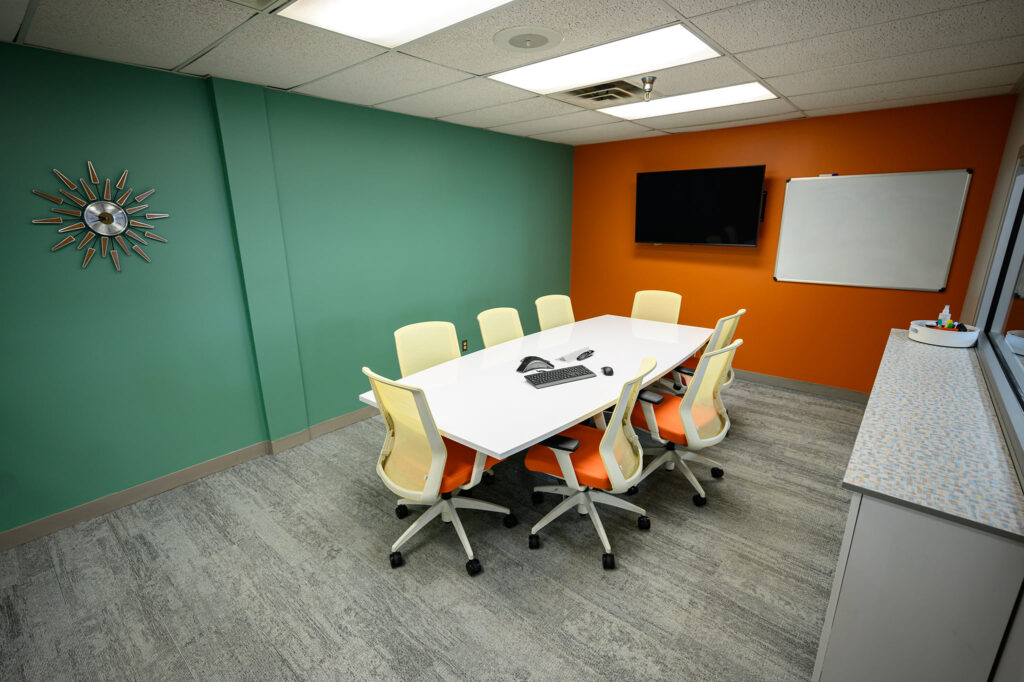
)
(671, 458)
(584, 500)
(448, 508)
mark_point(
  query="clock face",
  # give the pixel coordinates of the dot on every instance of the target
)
(105, 218)
(96, 213)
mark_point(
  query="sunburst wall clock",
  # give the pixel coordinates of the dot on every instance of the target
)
(96, 212)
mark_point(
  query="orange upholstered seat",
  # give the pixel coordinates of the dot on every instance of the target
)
(670, 424)
(458, 467)
(586, 461)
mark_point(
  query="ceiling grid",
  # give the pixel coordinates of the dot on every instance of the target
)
(817, 57)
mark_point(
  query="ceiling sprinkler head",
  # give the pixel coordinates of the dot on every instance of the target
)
(648, 82)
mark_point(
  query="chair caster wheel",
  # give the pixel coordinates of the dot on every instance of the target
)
(488, 479)
(633, 490)
(537, 497)
(700, 501)
(473, 566)
(644, 523)
(396, 559)
(510, 520)
(534, 541)
(401, 511)
(716, 472)
(608, 561)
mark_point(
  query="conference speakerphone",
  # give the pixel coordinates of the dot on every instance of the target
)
(563, 375)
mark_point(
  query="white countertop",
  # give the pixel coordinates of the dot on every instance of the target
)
(930, 438)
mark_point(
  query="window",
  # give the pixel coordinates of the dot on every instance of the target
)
(1001, 319)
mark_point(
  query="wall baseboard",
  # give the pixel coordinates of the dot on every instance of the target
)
(90, 510)
(316, 430)
(340, 422)
(805, 386)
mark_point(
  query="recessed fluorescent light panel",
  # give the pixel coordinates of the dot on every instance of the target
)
(644, 53)
(693, 101)
(389, 23)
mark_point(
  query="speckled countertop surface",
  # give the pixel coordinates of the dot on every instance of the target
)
(930, 438)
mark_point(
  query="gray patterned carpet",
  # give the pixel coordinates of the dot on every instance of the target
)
(277, 569)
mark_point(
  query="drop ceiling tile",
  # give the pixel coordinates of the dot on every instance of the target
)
(773, 22)
(736, 112)
(932, 85)
(467, 95)
(981, 22)
(11, 14)
(623, 130)
(912, 101)
(693, 8)
(513, 112)
(580, 119)
(470, 46)
(705, 75)
(282, 53)
(382, 78)
(792, 116)
(147, 32)
(903, 67)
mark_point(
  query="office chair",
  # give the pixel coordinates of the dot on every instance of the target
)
(725, 329)
(499, 325)
(425, 469)
(554, 311)
(694, 421)
(424, 345)
(592, 461)
(657, 306)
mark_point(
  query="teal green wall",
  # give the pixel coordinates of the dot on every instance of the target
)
(109, 379)
(391, 219)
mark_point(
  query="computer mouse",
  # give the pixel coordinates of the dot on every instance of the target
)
(607, 371)
(584, 355)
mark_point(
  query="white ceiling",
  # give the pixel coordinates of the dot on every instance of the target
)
(821, 57)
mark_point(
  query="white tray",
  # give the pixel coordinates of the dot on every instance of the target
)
(919, 331)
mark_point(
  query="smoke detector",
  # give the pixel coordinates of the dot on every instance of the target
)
(527, 38)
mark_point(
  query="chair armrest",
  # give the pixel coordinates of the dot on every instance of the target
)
(688, 371)
(651, 397)
(557, 442)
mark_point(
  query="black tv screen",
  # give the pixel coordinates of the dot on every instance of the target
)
(702, 206)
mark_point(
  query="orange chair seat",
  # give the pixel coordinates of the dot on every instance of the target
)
(670, 425)
(458, 467)
(586, 461)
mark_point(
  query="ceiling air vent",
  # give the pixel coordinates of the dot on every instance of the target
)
(608, 92)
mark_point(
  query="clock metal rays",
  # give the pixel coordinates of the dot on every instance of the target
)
(105, 212)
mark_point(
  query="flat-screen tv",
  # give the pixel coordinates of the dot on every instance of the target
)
(702, 206)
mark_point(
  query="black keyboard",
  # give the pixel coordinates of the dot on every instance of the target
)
(559, 376)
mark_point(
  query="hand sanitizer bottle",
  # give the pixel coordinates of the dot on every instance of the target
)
(944, 316)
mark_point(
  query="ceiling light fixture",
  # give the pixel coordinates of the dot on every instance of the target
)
(692, 101)
(652, 51)
(389, 23)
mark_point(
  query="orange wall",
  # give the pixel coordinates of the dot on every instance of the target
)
(823, 334)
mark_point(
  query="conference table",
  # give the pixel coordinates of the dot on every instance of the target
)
(481, 401)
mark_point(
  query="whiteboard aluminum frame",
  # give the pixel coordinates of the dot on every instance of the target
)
(956, 235)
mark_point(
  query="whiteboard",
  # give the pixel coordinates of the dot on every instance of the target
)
(892, 230)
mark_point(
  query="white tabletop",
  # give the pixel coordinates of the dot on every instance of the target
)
(481, 401)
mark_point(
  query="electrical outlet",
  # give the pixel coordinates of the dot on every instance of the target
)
(465, 344)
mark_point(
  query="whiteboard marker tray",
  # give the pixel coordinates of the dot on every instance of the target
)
(919, 331)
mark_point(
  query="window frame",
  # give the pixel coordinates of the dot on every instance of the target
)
(1003, 374)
